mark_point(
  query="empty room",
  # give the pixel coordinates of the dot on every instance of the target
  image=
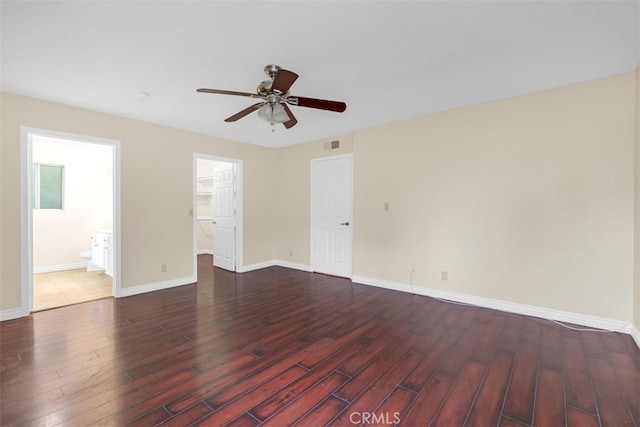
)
(316, 213)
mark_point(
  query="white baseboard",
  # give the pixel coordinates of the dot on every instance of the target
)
(293, 265)
(256, 266)
(635, 333)
(511, 307)
(61, 267)
(150, 287)
(12, 313)
(379, 283)
(204, 252)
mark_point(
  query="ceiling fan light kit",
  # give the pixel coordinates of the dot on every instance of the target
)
(273, 113)
(275, 97)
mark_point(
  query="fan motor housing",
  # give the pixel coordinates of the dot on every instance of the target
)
(264, 87)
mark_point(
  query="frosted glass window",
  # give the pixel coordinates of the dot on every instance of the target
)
(48, 183)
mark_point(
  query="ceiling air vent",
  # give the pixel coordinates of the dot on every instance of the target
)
(333, 145)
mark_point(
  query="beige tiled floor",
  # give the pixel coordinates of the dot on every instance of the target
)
(69, 287)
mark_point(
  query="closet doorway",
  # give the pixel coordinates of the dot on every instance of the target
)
(218, 210)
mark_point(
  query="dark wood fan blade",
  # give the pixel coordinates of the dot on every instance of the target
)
(244, 112)
(229, 92)
(292, 119)
(320, 104)
(283, 80)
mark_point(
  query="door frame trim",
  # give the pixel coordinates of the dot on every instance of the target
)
(313, 253)
(26, 211)
(239, 207)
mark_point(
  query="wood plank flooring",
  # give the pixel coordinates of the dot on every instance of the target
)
(279, 347)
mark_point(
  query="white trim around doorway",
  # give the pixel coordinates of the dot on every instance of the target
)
(26, 213)
(239, 207)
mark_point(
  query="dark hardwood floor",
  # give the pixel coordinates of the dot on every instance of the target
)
(278, 347)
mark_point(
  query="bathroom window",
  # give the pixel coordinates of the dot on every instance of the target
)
(48, 186)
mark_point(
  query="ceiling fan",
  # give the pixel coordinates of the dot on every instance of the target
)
(275, 99)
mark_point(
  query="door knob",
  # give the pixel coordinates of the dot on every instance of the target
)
(345, 223)
(213, 222)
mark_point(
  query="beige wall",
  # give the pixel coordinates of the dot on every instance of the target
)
(637, 203)
(527, 199)
(294, 171)
(157, 176)
(59, 235)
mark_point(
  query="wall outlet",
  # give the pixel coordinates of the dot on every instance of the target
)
(386, 206)
(191, 212)
(163, 268)
(444, 275)
(290, 252)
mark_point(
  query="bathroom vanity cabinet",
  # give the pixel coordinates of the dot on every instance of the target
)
(102, 250)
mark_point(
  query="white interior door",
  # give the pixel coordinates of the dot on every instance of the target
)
(224, 247)
(331, 212)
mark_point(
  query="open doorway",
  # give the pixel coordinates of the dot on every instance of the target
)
(70, 209)
(218, 210)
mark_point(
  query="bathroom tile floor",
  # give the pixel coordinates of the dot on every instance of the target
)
(69, 287)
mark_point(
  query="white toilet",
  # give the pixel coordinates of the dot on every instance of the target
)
(90, 266)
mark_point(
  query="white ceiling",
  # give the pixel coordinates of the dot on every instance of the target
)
(388, 60)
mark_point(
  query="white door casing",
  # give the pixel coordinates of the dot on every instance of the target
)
(26, 223)
(224, 217)
(331, 215)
